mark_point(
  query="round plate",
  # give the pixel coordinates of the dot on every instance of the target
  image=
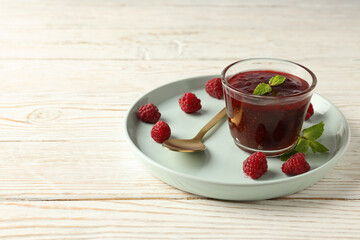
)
(217, 172)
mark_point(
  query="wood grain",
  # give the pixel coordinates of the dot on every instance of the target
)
(69, 72)
(46, 170)
(131, 30)
(336, 76)
(180, 219)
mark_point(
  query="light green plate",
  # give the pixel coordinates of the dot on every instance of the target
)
(217, 172)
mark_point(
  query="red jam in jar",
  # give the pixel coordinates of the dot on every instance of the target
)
(270, 122)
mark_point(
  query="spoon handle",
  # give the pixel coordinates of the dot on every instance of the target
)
(210, 124)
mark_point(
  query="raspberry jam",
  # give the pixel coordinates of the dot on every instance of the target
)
(270, 122)
(247, 81)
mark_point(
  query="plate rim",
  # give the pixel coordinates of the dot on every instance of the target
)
(149, 160)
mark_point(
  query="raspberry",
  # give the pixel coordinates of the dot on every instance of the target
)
(309, 112)
(255, 165)
(189, 103)
(149, 113)
(160, 131)
(296, 165)
(214, 88)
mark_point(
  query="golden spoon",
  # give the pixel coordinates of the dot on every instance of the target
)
(195, 144)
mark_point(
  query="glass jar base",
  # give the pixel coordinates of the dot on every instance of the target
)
(268, 153)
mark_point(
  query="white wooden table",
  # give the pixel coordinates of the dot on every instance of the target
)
(69, 71)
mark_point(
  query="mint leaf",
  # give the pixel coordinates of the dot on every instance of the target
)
(308, 140)
(314, 132)
(287, 155)
(262, 89)
(277, 80)
(317, 147)
(302, 145)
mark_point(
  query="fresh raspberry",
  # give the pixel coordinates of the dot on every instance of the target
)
(189, 103)
(296, 165)
(149, 113)
(214, 88)
(255, 165)
(160, 131)
(309, 112)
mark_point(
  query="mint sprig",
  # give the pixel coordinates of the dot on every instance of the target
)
(263, 88)
(308, 139)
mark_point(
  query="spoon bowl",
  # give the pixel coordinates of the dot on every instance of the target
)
(184, 145)
(194, 144)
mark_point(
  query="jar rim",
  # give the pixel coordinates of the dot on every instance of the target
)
(308, 90)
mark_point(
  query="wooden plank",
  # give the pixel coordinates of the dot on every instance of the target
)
(58, 170)
(109, 170)
(336, 77)
(75, 30)
(180, 219)
(163, 14)
(192, 44)
(89, 118)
